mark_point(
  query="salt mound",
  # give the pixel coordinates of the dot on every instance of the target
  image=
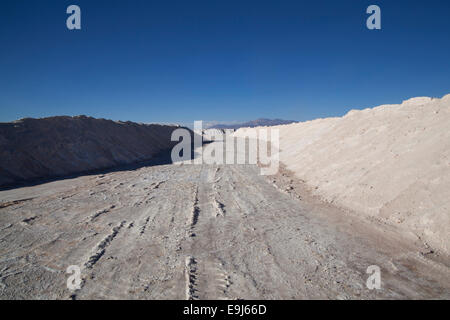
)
(58, 146)
(417, 101)
(390, 163)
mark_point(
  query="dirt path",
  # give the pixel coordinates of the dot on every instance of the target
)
(198, 232)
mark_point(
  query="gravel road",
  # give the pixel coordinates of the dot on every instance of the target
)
(181, 231)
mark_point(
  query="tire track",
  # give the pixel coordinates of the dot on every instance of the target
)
(100, 250)
(190, 273)
(144, 226)
(194, 215)
(206, 279)
(220, 208)
(101, 212)
(12, 203)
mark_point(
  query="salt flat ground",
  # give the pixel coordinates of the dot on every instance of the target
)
(183, 231)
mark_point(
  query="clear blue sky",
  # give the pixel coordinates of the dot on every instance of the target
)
(178, 61)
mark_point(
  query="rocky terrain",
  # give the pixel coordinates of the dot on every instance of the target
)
(58, 146)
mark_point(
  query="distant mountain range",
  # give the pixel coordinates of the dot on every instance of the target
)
(254, 123)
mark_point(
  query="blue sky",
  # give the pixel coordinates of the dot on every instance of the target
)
(179, 61)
